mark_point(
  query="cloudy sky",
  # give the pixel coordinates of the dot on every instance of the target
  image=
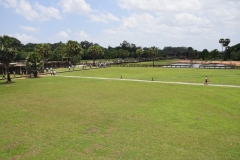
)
(190, 23)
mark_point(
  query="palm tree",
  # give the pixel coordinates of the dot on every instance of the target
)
(73, 50)
(139, 53)
(225, 43)
(221, 41)
(95, 51)
(43, 49)
(34, 63)
(8, 51)
(153, 52)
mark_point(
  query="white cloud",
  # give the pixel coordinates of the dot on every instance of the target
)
(159, 6)
(187, 19)
(75, 6)
(9, 3)
(24, 38)
(105, 18)
(177, 21)
(32, 13)
(63, 34)
(82, 35)
(25, 9)
(69, 30)
(47, 13)
(29, 29)
(71, 35)
(184, 12)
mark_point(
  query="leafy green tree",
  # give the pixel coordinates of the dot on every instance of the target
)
(123, 53)
(139, 53)
(8, 51)
(146, 53)
(21, 55)
(95, 51)
(110, 53)
(235, 56)
(43, 49)
(34, 63)
(74, 51)
(191, 55)
(153, 53)
(125, 45)
(59, 53)
(204, 54)
(214, 53)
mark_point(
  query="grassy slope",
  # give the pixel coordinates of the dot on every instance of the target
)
(61, 118)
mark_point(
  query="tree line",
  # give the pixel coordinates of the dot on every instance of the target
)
(35, 54)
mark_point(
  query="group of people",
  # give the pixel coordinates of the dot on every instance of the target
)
(99, 65)
(52, 72)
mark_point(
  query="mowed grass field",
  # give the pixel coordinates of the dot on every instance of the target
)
(55, 117)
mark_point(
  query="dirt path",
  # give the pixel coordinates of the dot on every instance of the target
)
(136, 80)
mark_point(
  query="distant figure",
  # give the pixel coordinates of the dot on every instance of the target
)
(46, 70)
(14, 74)
(69, 68)
(206, 80)
(54, 72)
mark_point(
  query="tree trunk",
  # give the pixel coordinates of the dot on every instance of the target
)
(153, 61)
(35, 74)
(8, 73)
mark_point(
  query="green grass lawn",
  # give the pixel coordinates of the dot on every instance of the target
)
(157, 62)
(192, 75)
(71, 118)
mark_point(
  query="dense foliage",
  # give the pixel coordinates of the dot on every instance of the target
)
(34, 63)
(60, 52)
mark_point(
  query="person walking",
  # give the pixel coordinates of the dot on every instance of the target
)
(206, 80)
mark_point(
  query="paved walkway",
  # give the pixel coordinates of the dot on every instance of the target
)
(148, 81)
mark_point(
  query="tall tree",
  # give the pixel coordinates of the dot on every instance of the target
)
(191, 55)
(34, 63)
(139, 53)
(86, 44)
(60, 52)
(44, 49)
(225, 43)
(123, 53)
(204, 54)
(125, 45)
(221, 41)
(95, 51)
(214, 53)
(153, 53)
(133, 50)
(8, 51)
(73, 50)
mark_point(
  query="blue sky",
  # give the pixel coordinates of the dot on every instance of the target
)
(190, 23)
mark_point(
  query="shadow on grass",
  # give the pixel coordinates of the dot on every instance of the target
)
(4, 82)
